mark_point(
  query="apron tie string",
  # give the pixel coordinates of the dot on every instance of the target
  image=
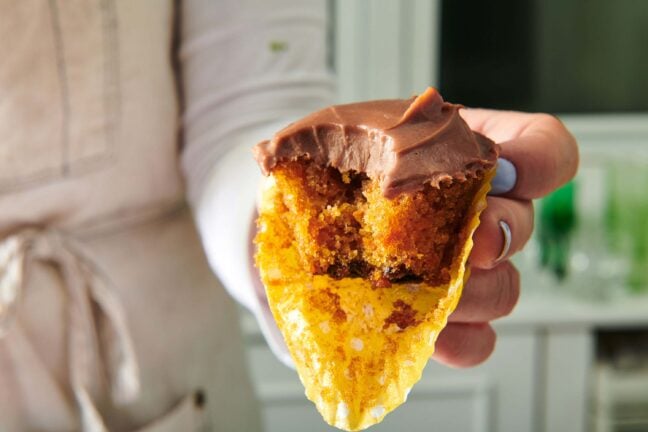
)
(96, 329)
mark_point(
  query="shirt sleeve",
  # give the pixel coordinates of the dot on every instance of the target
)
(248, 69)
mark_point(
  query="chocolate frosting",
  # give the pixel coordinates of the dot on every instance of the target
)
(404, 143)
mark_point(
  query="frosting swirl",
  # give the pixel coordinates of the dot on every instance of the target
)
(403, 143)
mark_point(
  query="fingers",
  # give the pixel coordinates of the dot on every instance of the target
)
(542, 150)
(490, 239)
(488, 295)
(464, 345)
(468, 340)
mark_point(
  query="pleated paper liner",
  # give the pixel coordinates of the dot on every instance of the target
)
(358, 350)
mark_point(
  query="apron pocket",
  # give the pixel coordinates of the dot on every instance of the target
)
(189, 415)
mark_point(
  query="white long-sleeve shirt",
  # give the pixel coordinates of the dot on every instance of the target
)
(276, 73)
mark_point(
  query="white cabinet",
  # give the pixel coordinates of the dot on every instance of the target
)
(568, 354)
(385, 49)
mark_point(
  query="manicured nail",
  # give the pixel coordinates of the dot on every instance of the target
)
(505, 177)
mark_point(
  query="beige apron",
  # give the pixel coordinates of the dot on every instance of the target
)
(110, 318)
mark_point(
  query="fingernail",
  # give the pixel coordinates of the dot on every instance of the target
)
(506, 247)
(505, 177)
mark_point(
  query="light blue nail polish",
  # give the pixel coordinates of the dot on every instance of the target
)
(505, 177)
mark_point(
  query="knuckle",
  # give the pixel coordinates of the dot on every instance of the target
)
(489, 340)
(465, 346)
(531, 217)
(550, 122)
(509, 289)
(522, 228)
(573, 157)
(526, 225)
(455, 345)
(569, 146)
(460, 344)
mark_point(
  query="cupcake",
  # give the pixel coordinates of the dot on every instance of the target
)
(364, 228)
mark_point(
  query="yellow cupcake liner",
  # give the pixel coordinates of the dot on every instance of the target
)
(355, 361)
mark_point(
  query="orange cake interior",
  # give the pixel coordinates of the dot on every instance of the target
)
(343, 226)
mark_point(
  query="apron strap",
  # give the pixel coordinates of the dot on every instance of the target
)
(100, 347)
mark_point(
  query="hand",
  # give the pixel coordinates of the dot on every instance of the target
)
(544, 156)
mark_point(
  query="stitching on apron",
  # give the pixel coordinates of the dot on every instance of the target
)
(112, 105)
(111, 95)
(63, 82)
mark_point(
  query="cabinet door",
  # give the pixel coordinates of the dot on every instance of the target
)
(496, 396)
(568, 355)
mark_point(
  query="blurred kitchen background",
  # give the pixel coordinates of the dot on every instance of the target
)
(574, 354)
